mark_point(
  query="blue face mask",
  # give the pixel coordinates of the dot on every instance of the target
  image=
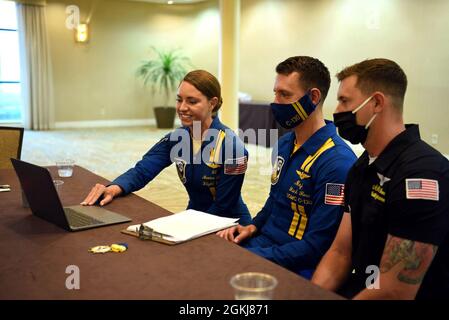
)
(292, 114)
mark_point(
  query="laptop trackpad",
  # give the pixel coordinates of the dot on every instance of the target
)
(100, 213)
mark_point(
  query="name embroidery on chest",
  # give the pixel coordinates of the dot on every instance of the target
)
(377, 190)
(378, 193)
(209, 181)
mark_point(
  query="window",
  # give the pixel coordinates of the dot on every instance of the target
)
(10, 91)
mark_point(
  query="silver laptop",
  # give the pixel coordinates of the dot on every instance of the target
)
(40, 192)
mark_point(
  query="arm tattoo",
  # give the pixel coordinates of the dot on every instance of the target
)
(416, 257)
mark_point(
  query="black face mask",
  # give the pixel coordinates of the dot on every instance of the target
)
(348, 128)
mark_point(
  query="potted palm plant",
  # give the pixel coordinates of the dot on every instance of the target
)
(163, 73)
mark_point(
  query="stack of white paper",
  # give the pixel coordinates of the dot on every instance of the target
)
(187, 225)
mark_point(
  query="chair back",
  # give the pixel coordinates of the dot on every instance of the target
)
(10, 145)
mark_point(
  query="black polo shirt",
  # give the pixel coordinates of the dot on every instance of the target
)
(405, 193)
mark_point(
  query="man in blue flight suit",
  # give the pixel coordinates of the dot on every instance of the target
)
(301, 216)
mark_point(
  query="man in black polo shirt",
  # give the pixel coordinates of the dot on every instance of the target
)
(396, 220)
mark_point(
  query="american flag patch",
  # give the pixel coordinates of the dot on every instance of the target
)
(425, 189)
(335, 194)
(236, 166)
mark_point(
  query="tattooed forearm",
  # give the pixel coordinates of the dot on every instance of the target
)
(414, 256)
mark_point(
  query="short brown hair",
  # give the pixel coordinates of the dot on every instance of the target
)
(207, 84)
(379, 75)
(312, 73)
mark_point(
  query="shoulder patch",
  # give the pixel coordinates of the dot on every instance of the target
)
(335, 194)
(236, 166)
(181, 168)
(277, 168)
(424, 189)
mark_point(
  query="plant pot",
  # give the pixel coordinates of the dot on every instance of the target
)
(165, 117)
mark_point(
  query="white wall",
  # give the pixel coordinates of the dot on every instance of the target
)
(414, 33)
(97, 80)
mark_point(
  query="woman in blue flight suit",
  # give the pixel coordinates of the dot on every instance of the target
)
(210, 159)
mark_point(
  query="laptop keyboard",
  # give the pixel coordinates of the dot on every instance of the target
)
(78, 219)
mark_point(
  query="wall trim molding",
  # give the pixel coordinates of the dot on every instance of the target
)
(108, 123)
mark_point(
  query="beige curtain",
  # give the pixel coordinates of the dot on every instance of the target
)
(36, 76)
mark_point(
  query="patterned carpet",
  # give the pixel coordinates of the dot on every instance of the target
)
(111, 151)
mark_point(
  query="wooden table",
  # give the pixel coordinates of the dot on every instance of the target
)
(35, 254)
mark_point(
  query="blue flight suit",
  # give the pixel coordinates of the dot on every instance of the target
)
(213, 177)
(302, 214)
